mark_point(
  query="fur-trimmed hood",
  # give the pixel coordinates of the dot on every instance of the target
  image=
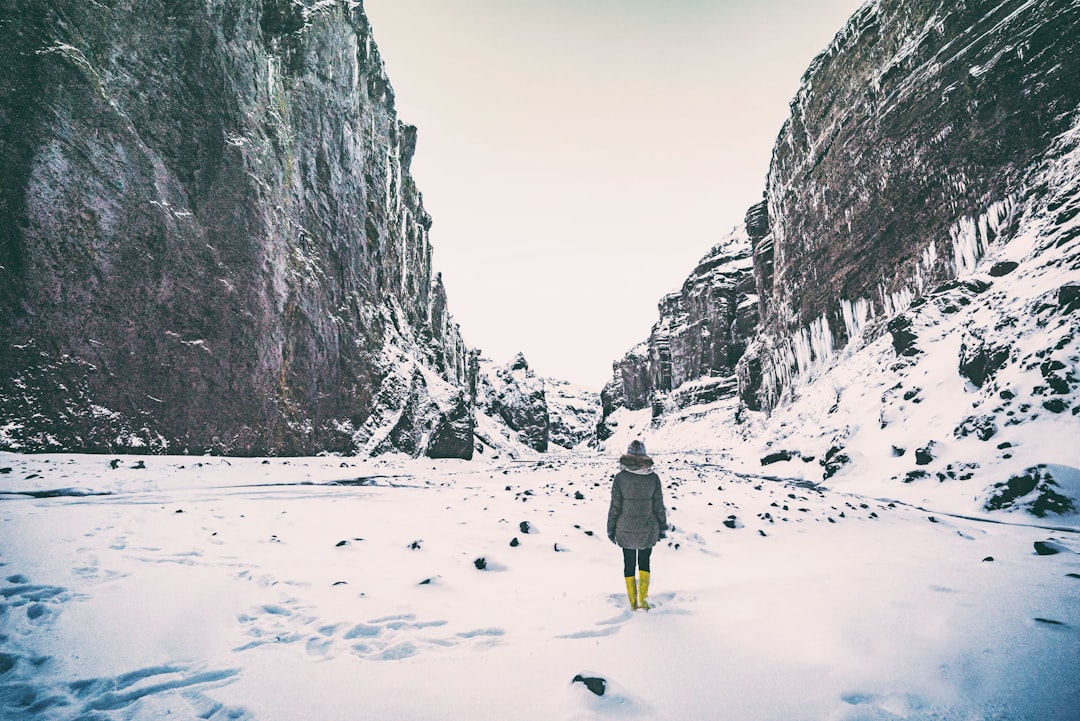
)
(641, 465)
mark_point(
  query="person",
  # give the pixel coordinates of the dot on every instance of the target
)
(636, 519)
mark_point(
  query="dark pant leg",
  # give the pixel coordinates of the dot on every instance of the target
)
(643, 557)
(629, 562)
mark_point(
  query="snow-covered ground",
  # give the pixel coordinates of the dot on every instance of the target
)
(339, 588)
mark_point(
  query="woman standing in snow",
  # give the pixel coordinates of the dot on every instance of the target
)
(636, 518)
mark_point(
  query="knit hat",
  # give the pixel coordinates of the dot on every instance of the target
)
(637, 448)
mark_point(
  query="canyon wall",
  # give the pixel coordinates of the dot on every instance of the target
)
(210, 239)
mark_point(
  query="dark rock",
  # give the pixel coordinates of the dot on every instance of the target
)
(1069, 297)
(1002, 268)
(339, 544)
(594, 683)
(925, 455)
(898, 452)
(778, 456)
(980, 360)
(4, 470)
(834, 460)
(988, 559)
(903, 339)
(223, 196)
(524, 527)
(1055, 405)
(415, 545)
(1049, 548)
(579, 496)
(514, 543)
(982, 426)
(1037, 480)
(480, 563)
(1049, 621)
(7, 662)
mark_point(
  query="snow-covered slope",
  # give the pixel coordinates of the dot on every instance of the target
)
(344, 589)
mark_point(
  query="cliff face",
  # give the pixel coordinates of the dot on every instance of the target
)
(907, 153)
(209, 237)
(915, 144)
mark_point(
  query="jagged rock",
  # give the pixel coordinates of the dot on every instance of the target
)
(980, 359)
(981, 426)
(1069, 297)
(834, 460)
(1003, 268)
(517, 397)
(212, 238)
(778, 456)
(1049, 548)
(903, 339)
(594, 683)
(925, 455)
(1035, 490)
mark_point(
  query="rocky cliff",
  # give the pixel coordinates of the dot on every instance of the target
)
(909, 149)
(209, 237)
(690, 356)
(516, 407)
(912, 149)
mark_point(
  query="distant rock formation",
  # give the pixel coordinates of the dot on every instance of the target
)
(703, 330)
(516, 408)
(210, 240)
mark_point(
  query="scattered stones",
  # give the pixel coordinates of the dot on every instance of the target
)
(594, 683)
(415, 545)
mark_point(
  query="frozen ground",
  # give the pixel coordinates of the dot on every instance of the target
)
(328, 588)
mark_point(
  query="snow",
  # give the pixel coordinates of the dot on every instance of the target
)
(336, 588)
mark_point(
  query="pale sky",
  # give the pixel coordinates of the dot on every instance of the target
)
(579, 157)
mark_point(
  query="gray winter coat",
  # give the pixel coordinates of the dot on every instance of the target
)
(636, 515)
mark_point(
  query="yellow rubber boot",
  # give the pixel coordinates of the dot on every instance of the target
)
(631, 592)
(643, 591)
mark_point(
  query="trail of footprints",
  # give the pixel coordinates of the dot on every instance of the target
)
(388, 638)
(31, 688)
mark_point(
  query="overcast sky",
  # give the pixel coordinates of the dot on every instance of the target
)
(579, 157)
